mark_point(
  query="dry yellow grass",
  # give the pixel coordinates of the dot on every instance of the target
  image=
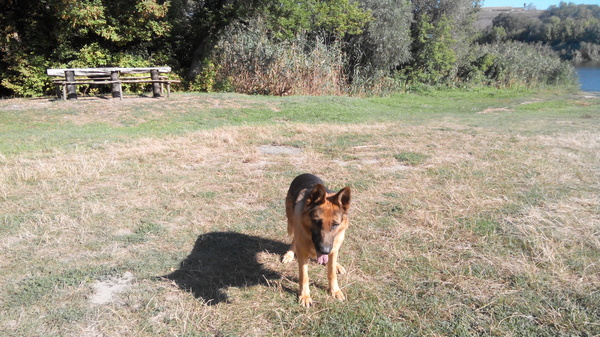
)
(490, 232)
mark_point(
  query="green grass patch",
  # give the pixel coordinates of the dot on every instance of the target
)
(411, 158)
(142, 232)
(47, 129)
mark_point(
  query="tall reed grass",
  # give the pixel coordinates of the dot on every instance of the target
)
(249, 61)
(512, 63)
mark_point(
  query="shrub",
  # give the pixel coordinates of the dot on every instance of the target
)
(249, 61)
(512, 64)
(434, 59)
(587, 52)
(27, 76)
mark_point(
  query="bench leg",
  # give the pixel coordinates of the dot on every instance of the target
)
(117, 91)
(71, 88)
(155, 85)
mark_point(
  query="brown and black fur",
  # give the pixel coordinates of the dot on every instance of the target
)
(317, 221)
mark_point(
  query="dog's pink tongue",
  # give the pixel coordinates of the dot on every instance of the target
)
(322, 259)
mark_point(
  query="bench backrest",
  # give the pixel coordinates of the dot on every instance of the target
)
(105, 71)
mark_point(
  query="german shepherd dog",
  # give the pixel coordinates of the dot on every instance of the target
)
(317, 221)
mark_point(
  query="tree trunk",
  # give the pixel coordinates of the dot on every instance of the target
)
(196, 65)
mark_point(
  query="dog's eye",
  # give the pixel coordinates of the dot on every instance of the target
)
(334, 224)
(318, 223)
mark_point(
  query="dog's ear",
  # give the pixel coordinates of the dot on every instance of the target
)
(317, 195)
(342, 198)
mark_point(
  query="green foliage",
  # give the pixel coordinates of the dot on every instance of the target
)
(384, 43)
(513, 26)
(573, 30)
(434, 58)
(289, 19)
(460, 13)
(288, 47)
(207, 80)
(199, 25)
(587, 52)
(90, 33)
(27, 77)
(497, 34)
(512, 64)
(118, 22)
(91, 55)
(341, 17)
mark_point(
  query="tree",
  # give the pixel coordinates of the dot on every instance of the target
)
(451, 32)
(202, 24)
(41, 34)
(198, 25)
(330, 19)
(516, 26)
(566, 27)
(434, 58)
(385, 42)
(458, 11)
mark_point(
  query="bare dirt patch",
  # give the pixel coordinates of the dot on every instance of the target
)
(495, 110)
(106, 291)
(278, 149)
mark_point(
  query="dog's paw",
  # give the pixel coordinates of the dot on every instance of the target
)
(288, 257)
(305, 300)
(338, 294)
(340, 269)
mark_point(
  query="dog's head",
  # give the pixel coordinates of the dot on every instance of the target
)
(328, 215)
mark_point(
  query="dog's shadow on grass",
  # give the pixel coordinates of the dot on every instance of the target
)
(220, 260)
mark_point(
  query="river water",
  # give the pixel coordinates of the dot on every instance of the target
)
(589, 75)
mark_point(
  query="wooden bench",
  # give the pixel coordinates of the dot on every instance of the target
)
(90, 76)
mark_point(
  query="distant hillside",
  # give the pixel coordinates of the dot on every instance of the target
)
(487, 14)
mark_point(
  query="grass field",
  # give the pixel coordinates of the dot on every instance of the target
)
(474, 213)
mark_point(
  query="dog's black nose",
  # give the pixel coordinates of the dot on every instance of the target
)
(325, 250)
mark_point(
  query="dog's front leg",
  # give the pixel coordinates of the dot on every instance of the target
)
(304, 296)
(332, 270)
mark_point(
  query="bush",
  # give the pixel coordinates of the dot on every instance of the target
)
(434, 59)
(27, 76)
(512, 64)
(587, 52)
(247, 60)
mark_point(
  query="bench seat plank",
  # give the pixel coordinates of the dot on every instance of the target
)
(63, 82)
(105, 71)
